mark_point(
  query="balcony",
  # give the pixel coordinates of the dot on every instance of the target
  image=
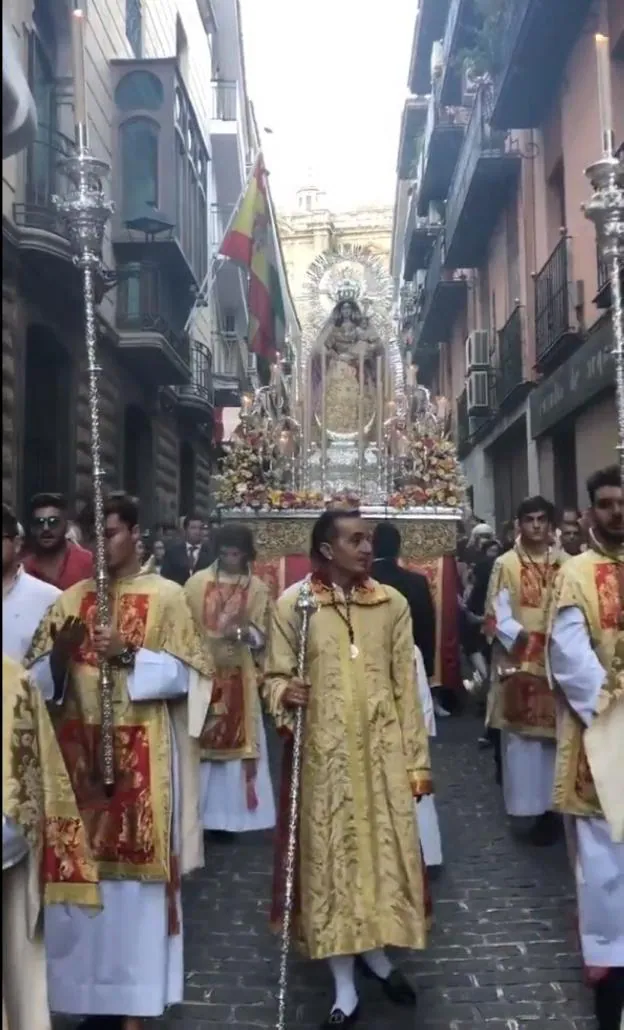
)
(40, 227)
(484, 180)
(458, 34)
(226, 136)
(534, 47)
(441, 300)
(444, 134)
(160, 172)
(511, 384)
(429, 26)
(412, 125)
(556, 328)
(420, 237)
(196, 399)
(151, 334)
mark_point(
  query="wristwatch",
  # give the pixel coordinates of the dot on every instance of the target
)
(125, 659)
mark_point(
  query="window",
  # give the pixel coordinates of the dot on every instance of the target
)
(229, 323)
(43, 154)
(134, 26)
(139, 165)
(139, 90)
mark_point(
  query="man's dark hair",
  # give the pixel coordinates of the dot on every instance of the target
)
(46, 499)
(610, 476)
(386, 541)
(240, 537)
(325, 529)
(535, 505)
(191, 518)
(9, 522)
(124, 506)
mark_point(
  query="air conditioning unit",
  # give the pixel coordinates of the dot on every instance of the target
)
(434, 216)
(478, 350)
(478, 393)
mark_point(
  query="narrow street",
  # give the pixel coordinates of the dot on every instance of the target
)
(502, 951)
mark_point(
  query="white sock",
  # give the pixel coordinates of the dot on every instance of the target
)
(378, 962)
(346, 994)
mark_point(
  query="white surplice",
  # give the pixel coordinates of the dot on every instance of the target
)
(24, 603)
(121, 961)
(426, 813)
(599, 862)
(528, 762)
(224, 804)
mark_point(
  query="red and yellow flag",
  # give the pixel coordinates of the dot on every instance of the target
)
(251, 242)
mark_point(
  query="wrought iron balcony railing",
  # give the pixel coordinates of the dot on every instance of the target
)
(201, 384)
(510, 357)
(44, 179)
(553, 311)
(224, 100)
(142, 306)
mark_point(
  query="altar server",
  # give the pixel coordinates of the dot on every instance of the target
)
(231, 607)
(428, 825)
(45, 857)
(127, 961)
(586, 653)
(521, 704)
(365, 764)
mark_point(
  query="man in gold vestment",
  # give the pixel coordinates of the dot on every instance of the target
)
(365, 764)
(586, 657)
(45, 856)
(521, 704)
(231, 608)
(126, 963)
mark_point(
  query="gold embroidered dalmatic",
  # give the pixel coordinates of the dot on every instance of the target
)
(217, 601)
(130, 833)
(590, 582)
(366, 755)
(522, 703)
(37, 795)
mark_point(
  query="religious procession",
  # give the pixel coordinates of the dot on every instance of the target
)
(313, 633)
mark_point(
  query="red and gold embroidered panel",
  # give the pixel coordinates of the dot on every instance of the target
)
(131, 611)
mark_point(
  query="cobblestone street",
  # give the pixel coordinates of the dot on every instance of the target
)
(502, 953)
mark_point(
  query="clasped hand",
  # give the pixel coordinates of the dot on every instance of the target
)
(297, 694)
(107, 642)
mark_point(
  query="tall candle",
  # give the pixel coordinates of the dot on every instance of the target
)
(307, 420)
(78, 22)
(380, 407)
(605, 100)
(361, 420)
(323, 416)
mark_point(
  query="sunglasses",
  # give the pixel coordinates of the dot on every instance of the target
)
(46, 522)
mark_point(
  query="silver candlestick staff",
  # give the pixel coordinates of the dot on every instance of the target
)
(85, 211)
(306, 606)
(606, 211)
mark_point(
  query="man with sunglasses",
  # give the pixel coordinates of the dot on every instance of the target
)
(51, 556)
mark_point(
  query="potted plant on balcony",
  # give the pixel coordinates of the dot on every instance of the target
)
(481, 59)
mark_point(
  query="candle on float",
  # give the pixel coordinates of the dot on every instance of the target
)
(78, 22)
(361, 419)
(323, 415)
(277, 369)
(246, 405)
(605, 99)
(411, 376)
(380, 402)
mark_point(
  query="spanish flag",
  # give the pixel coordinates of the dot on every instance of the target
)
(251, 242)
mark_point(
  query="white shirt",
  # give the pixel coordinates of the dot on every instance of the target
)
(24, 603)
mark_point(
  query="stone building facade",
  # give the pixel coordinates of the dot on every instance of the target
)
(168, 123)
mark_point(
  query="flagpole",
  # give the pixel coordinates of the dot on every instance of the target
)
(208, 282)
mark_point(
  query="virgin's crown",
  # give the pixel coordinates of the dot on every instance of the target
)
(348, 289)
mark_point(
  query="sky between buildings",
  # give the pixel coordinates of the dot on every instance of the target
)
(329, 78)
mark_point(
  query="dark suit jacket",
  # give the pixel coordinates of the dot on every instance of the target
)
(176, 565)
(415, 590)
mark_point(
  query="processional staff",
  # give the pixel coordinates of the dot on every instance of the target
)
(306, 605)
(606, 211)
(85, 211)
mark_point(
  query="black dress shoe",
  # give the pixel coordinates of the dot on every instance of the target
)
(547, 830)
(100, 1023)
(338, 1018)
(395, 986)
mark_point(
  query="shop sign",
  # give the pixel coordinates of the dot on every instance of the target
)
(586, 374)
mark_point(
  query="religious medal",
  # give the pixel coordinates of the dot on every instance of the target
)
(354, 652)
